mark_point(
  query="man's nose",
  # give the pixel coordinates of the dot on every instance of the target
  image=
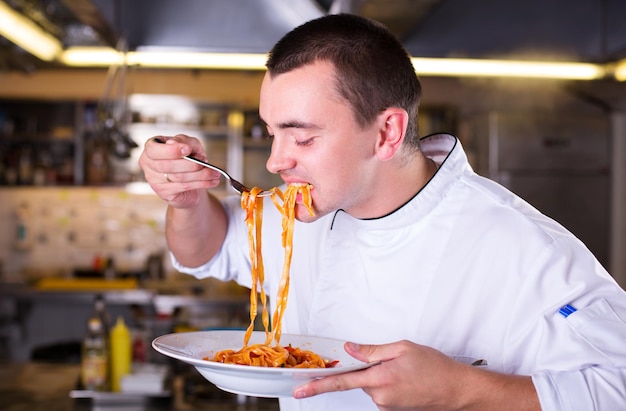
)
(279, 160)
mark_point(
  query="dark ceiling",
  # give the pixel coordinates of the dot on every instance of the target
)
(574, 30)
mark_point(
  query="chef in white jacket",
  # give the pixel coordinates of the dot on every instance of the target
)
(411, 256)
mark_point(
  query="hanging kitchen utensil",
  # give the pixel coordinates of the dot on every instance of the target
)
(113, 108)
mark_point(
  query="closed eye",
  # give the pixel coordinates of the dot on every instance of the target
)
(305, 143)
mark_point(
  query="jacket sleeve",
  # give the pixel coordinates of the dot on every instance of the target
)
(231, 262)
(594, 387)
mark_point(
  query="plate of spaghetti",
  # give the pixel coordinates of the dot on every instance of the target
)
(200, 349)
(263, 363)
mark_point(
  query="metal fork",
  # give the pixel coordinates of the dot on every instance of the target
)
(236, 185)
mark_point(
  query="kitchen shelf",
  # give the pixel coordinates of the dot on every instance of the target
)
(59, 140)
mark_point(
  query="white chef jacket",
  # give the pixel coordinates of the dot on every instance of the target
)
(465, 267)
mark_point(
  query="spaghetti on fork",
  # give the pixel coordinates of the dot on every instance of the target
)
(271, 353)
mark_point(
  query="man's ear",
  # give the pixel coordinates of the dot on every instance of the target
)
(392, 129)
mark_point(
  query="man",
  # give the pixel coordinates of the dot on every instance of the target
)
(411, 256)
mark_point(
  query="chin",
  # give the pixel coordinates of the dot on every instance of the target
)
(302, 214)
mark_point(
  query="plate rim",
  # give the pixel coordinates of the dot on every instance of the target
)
(162, 348)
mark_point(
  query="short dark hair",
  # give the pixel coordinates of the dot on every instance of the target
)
(373, 69)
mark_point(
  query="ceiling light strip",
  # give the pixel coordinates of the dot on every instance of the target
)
(103, 57)
(93, 57)
(507, 68)
(226, 61)
(28, 35)
(620, 70)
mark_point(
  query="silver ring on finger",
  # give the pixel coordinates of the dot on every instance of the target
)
(167, 178)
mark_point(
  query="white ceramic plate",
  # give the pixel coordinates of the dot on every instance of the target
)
(192, 347)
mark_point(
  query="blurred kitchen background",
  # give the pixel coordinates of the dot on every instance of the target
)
(77, 220)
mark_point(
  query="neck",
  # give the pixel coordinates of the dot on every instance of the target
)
(395, 185)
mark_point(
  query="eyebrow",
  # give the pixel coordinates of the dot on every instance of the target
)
(296, 124)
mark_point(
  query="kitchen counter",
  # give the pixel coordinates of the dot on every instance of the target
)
(41, 386)
(162, 297)
(25, 292)
(207, 292)
(37, 386)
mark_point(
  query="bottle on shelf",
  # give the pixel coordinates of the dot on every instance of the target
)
(98, 170)
(25, 166)
(121, 353)
(109, 269)
(95, 356)
(100, 311)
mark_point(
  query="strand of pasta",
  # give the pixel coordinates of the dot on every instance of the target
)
(288, 212)
(254, 222)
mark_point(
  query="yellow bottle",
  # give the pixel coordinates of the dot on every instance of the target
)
(121, 354)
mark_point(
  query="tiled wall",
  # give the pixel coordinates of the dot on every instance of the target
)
(68, 227)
